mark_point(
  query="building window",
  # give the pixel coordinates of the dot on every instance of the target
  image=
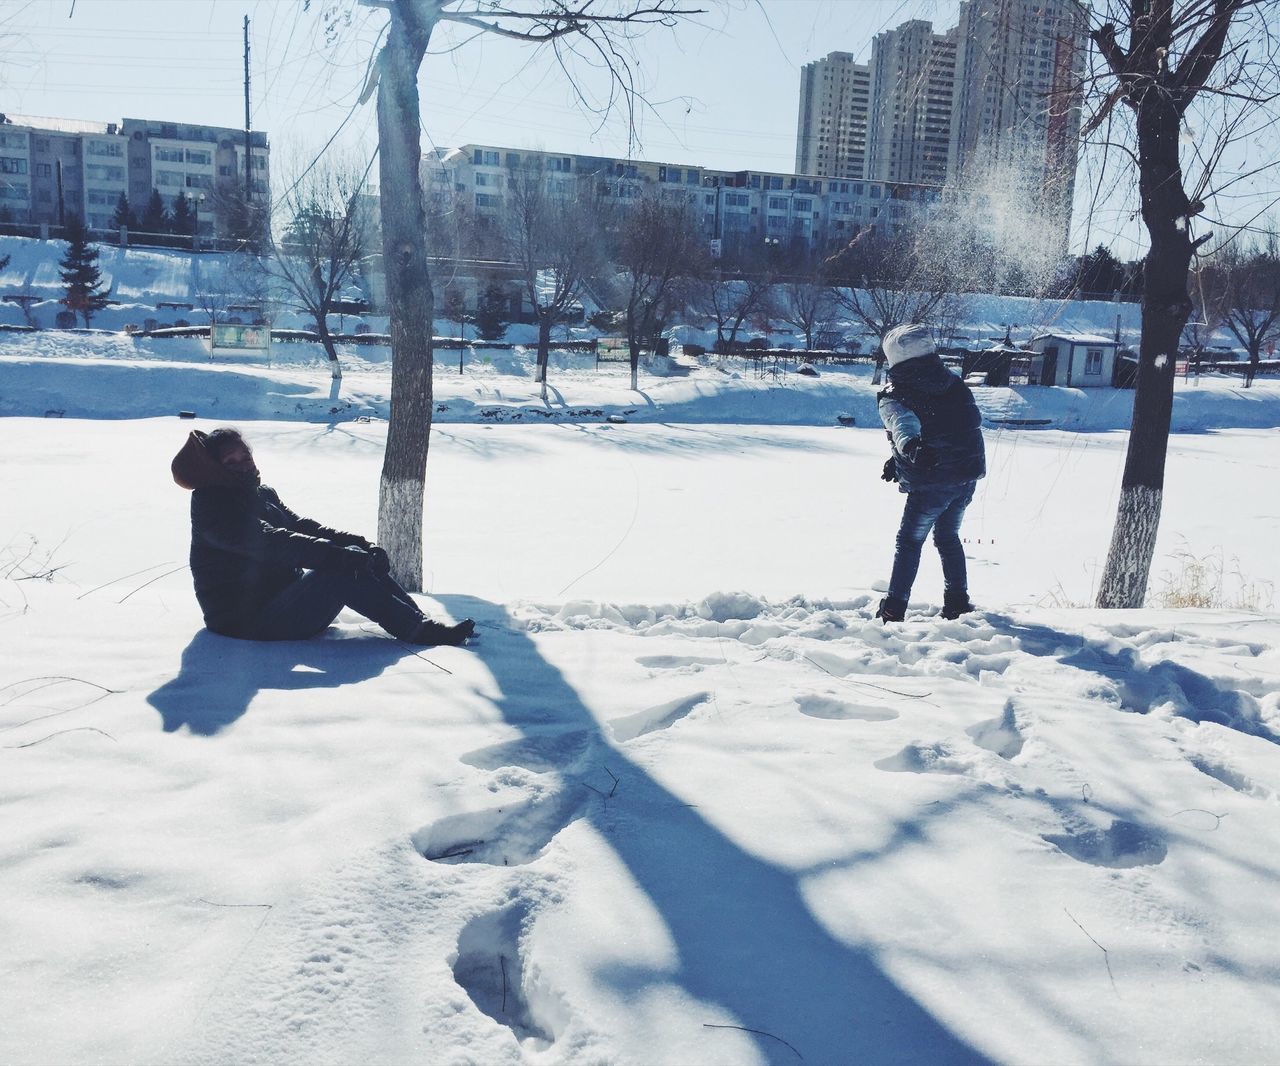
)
(112, 148)
(484, 199)
(777, 203)
(19, 140)
(44, 170)
(804, 206)
(9, 165)
(1093, 362)
(168, 177)
(101, 172)
(199, 181)
(13, 190)
(737, 199)
(169, 155)
(200, 158)
(483, 180)
(513, 159)
(691, 177)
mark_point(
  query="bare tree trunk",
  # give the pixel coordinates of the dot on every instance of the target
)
(544, 345)
(326, 339)
(1166, 306)
(409, 294)
(633, 350)
(1253, 368)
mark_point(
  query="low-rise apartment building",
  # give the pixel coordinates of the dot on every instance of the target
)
(735, 209)
(52, 167)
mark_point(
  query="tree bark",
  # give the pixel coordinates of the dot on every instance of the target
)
(544, 344)
(409, 293)
(326, 339)
(1166, 306)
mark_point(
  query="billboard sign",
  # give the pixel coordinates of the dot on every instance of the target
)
(238, 339)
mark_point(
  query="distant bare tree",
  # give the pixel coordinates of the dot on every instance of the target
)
(1251, 307)
(890, 281)
(554, 236)
(317, 256)
(729, 292)
(603, 32)
(808, 305)
(659, 248)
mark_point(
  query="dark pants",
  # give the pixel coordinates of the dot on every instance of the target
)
(306, 607)
(940, 508)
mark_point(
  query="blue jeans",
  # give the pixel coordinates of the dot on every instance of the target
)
(306, 607)
(940, 508)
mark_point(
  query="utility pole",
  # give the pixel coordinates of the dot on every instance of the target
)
(248, 160)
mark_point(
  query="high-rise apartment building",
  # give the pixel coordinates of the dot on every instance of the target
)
(832, 138)
(1019, 66)
(912, 86)
(1001, 90)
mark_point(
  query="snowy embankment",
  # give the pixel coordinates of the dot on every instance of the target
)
(118, 376)
(640, 821)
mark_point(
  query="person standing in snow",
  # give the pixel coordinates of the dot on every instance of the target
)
(938, 456)
(263, 573)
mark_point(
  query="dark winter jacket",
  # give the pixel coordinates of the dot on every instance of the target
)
(934, 425)
(247, 546)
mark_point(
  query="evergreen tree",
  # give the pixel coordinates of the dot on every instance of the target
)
(80, 272)
(123, 215)
(183, 220)
(155, 219)
(492, 315)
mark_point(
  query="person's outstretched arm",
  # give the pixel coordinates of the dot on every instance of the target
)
(312, 528)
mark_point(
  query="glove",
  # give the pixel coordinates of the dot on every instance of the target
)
(890, 471)
(379, 561)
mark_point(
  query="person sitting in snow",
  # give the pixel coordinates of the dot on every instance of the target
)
(938, 457)
(263, 573)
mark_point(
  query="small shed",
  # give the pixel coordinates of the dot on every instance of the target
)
(1076, 360)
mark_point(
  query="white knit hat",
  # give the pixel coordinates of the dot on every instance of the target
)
(908, 342)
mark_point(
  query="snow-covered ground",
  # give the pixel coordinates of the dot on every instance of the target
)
(684, 801)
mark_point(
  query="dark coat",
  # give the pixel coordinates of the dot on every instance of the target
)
(247, 546)
(926, 402)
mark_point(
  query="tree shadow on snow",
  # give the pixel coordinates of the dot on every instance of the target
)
(747, 940)
(219, 676)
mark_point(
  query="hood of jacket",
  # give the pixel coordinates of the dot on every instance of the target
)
(194, 467)
(925, 374)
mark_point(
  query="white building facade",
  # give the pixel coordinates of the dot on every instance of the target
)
(738, 209)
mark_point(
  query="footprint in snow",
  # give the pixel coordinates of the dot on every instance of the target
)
(650, 720)
(1230, 777)
(819, 706)
(1000, 735)
(511, 835)
(1120, 846)
(490, 967)
(693, 663)
(937, 758)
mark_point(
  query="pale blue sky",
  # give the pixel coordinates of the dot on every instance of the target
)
(724, 90)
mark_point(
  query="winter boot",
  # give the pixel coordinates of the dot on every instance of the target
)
(891, 609)
(431, 633)
(954, 604)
